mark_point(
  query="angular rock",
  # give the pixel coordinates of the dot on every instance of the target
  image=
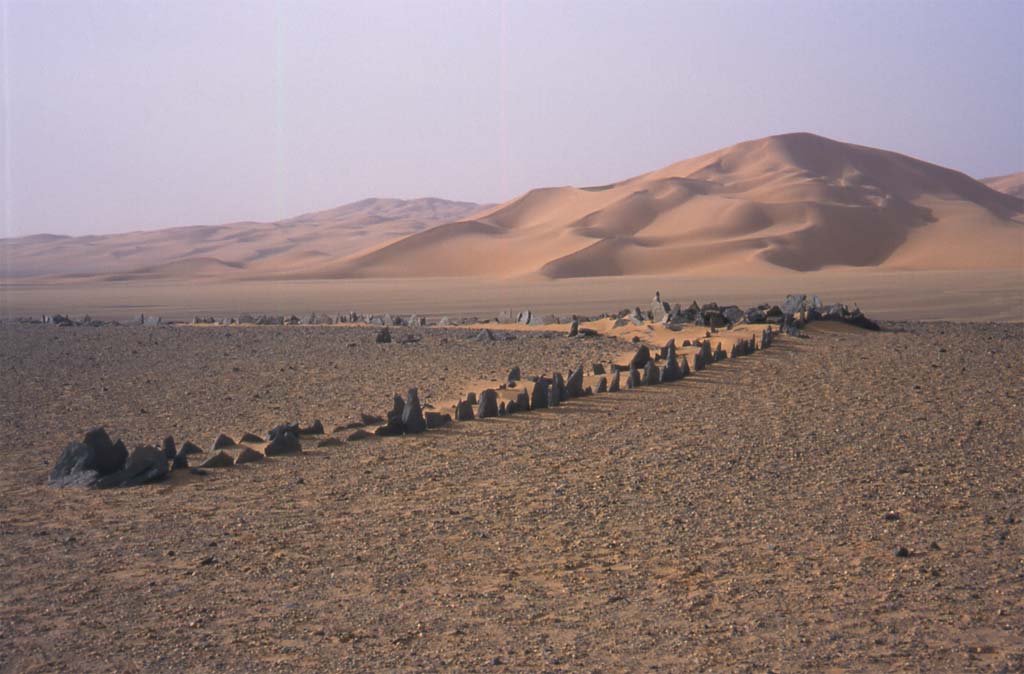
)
(189, 448)
(502, 409)
(488, 406)
(641, 357)
(412, 413)
(144, 464)
(484, 335)
(383, 336)
(315, 428)
(464, 411)
(437, 420)
(574, 384)
(633, 380)
(169, 448)
(598, 368)
(652, 374)
(539, 397)
(283, 428)
(283, 443)
(733, 314)
(522, 401)
(613, 385)
(471, 398)
(110, 456)
(250, 437)
(514, 375)
(326, 442)
(219, 460)
(602, 385)
(574, 328)
(180, 461)
(793, 304)
(358, 434)
(370, 419)
(221, 442)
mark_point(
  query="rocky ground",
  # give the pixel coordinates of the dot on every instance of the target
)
(849, 501)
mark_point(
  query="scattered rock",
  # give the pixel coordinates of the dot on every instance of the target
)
(641, 357)
(315, 428)
(574, 328)
(283, 443)
(329, 442)
(169, 448)
(437, 420)
(901, 552)
(383, 336)
(281, 429)
(464, 411)
(219, 460)
(250, 437)
(514, 375)
(488, 406)
(189, 448)
(144, 464)
(412, 413)
(221, 442)
(359, 434)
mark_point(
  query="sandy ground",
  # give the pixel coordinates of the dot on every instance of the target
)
(735, 521)
(960, 295)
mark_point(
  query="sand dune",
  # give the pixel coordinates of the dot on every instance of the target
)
(792, 202)
(227, 250)
(1012, 184)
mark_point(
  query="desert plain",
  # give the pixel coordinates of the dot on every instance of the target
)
(845, 500)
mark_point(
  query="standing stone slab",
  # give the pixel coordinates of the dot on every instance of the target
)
(488, 406)
(412, 413)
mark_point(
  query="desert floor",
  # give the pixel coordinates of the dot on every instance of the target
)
(744, 519)
(924, 295)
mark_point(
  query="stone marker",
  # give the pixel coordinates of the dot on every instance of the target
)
(219, 460)
(488, 406)
(412, 413)
(540, 395)
(602, 385)
(315, 428)
(383, 336)
(221, 442)
(574, 385)
(633, 380)
(189, 448)
(641, 357)
(250, 437)
(522, 401)
(574, 328)
(514, 375)
(652, 374)
(283, 443)
(280, 429)
(144, 464)
(437, 420)
(464, 411)
(169, 448)
(598, 368)
(613, 385)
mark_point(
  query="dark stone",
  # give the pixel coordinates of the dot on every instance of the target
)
(283, 443)
(574, 328)
(280, 429)
(670, 346)
(539, 397)
(652, 374)
(514, 374)
(901, 552)
(110, 456)
(602, 385)
(359, 434)
(733, 314)
(250, 437)
(180, 461)
(633, 380)
(484, 335)
(189, 448)
(713, 318)
(598, 368)
(329, 442)
(671, 372)
(522, 401)
(412, 413)
(464, 411)
(248, 455)
(316, 428)
(144, 464)
(719, 352)
(588, 332)
(221, 442)
(613, 385)
(502, 410)
(169, 448)
(76, 467)
(471, 398)
(574, 385)
(641, 357)
(370, 419)
(219, 460)
(437, 420)
(488, 406)
(383, 336)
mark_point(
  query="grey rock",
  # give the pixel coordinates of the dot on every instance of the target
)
(540, 394)
(793, 304)
(315, 428)
(189, 448)
(641, 357)
(383, 336)
(250, 437)
(219, 460)
(484, 335)
(574, 384)
(326, 442)
(613, 385)
(464, 411)
(280, 429)
(144, 464)
(110, 456)
(437, 420)
(652, 374)
(169, 448)
(598, 368)
(358, 434)
(221, 442)
(602, 385)
(248, 455)
(488, 406)
(514, 375)
(412, 413)
(283, 443)
(633, 380)
(574, 328)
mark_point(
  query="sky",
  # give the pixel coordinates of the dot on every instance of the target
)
(120, 116)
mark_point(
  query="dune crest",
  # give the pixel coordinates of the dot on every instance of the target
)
(796, 202)
(1012, 184)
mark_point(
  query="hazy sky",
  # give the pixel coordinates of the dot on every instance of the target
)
(139, 115)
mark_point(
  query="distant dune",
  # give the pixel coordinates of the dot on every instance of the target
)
(1012, 184)
(792, 202)
(795, 202)
(234, 249)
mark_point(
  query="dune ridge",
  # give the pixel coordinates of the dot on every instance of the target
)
(796, 202)
(1012, 184)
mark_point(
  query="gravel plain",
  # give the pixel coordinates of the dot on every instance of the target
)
(846, 502)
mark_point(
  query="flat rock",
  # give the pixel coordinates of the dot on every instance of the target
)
(437, 419)
(359, 434)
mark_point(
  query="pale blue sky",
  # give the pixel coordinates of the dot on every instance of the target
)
(139, 115)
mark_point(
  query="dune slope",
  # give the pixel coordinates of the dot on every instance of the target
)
(792, 202)
(1012, 184)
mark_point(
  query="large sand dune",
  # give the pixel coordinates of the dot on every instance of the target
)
(1012, 184)
(792, 202)
(231, 249)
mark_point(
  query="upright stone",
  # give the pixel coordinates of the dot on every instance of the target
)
(574, 385)
(464, 411)
(633, 380)
(574, 328)
(412, 413)
(488, 406)
(613, 385)
(539, 397)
